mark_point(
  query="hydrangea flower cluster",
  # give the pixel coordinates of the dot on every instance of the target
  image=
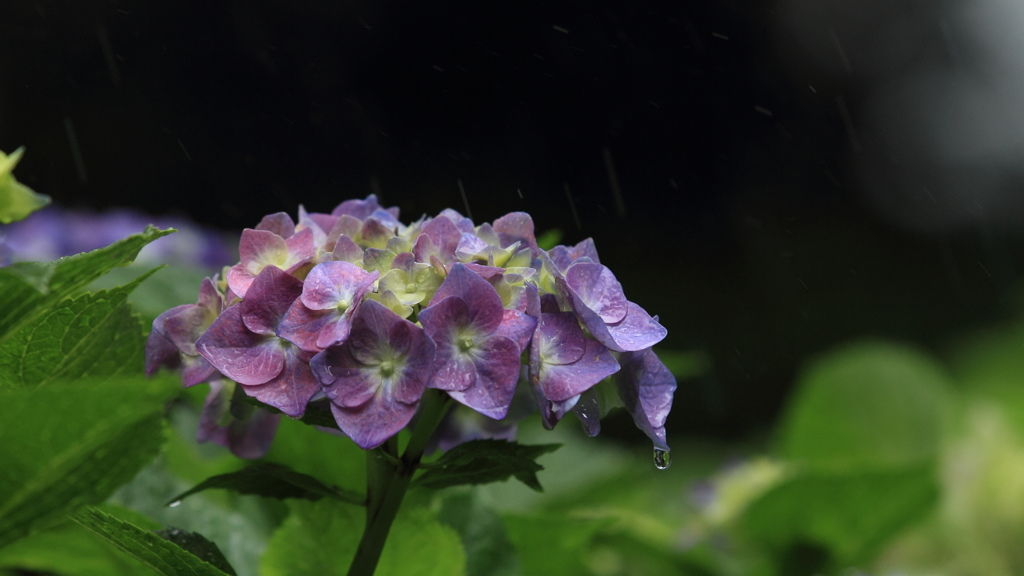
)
(362, 311)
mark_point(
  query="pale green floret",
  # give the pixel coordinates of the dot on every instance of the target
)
(391, 302)
(16, 200)
(387, 368)
(465, 343)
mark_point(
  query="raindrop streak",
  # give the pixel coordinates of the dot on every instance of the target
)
(662, 459)
(174, 504)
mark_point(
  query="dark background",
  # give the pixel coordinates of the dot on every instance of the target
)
(749, 174)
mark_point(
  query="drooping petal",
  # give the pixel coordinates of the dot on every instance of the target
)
(646, 387)
(248, 438)
(160, 349)
(637, 332)
(239, 353)
(195, 369)
(563, 381)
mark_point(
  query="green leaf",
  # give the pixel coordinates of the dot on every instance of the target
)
(872, 403)
(485, 461)
(273, 481)
(68, 445)
(68, 548)
(320, 539)
(164, 556)
(552, 544)
(489, 552)
(198, 546)
(846, 517)
(16, 200)
(93, 335)
(549, 239)
(22, 300)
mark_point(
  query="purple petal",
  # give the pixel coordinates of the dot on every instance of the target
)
(637, 332)
(268, 300)
(238, 353)
(646, 386)
(444, 237)
(292, 389)
(375, 233)
(279, 223)
(489, 273)
(471, 248)
(482, 301)
(345, 226)
(461, 222)
(346, 250)
(517, 227)
(195, 369)
(301, 249)
(186, 325)
(374, 422)
(249, 438)
(360, 209)
(517, 327)
(332, 285)
(497, 371)
(585, 249)
(560, 339)
(559, 382)
(160, 349)
(596, 288)
(342, 377)
(303, 327)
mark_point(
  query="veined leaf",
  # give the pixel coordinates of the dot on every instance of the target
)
(67, 445)
(273, 481)
(24, 297)
(485, 461)
(158, 550)
(93, 335)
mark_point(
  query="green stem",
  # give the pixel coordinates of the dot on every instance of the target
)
(380, 468)
(385, 497)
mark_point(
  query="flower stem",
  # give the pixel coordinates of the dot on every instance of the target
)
(387, 483)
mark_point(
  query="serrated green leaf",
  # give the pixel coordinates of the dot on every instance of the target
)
(485, 461)
(845, 516)
(68, 445)
(320, 539)
(273, 481)
(164, 556)
(16, 200)
(21, 299)
(68, 548)
(93, 335)
(872, 403)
